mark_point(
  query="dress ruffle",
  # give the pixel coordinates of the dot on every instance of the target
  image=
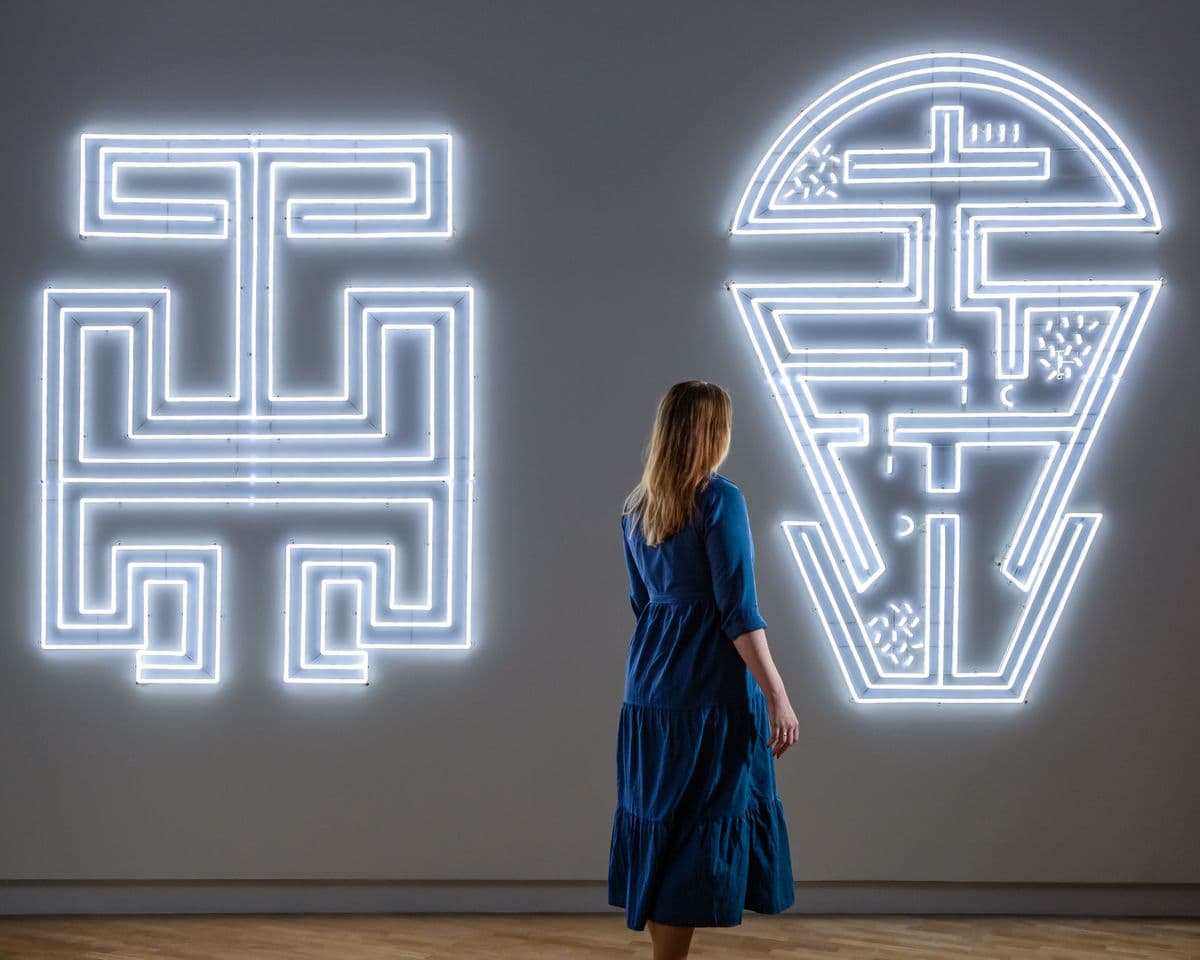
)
(699, 833)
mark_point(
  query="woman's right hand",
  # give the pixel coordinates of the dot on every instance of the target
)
(785, 728)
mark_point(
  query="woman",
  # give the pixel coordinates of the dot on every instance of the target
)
(699, 832)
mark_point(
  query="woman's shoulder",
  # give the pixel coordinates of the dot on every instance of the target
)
(720, 490)
(630, 527)
(721, 485)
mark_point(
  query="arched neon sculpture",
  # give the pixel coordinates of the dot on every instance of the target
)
(948, 154)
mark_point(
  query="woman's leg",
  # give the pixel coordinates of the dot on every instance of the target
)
(670, 943)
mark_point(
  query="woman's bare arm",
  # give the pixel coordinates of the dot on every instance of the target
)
(753, 649)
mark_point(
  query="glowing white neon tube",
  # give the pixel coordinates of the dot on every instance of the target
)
(373, 447)
(879, 369)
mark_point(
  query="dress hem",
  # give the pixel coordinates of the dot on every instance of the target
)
(763, 911)
(771, 890)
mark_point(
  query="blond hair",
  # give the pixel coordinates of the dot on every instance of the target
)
(689, 441)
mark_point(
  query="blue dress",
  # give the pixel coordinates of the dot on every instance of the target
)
(698, 834)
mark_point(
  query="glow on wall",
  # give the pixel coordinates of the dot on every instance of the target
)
(123, 466)
(901, 389)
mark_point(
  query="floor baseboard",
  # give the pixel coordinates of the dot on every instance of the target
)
(112, 897)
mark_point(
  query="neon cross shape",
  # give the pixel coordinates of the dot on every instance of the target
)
(1008, 152)
(949, 158)
(128, 456)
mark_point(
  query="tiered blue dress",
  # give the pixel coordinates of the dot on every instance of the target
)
(699, 833)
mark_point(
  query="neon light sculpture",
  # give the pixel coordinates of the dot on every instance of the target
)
(139, 457)
(888, 380)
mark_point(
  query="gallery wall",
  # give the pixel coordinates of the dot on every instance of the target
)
(600, 150)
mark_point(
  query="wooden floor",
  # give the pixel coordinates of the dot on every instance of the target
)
(575, 936)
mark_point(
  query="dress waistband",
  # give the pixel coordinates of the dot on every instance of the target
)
(679, 596)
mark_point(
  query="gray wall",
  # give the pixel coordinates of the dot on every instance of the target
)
(601, 149)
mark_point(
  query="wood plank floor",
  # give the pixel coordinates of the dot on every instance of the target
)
(578, 936)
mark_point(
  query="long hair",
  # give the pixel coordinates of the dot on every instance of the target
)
(689, 441)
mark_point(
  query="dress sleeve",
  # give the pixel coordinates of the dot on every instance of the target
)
(731, 561)
(638, 595)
